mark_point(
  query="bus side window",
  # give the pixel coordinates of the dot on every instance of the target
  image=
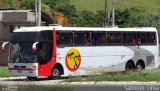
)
(82, 38)
(86, 38)
(58, 38)
(152, 38)
(70, 41)
(129, 38)
(115, 38)
(45, 47)
(99, 38)
(94, 40)
(66, 38)
(142, 38)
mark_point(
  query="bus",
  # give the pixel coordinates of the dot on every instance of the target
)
(57, 51)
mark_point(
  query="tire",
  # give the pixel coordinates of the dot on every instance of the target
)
(129, 67)
(32, 78)
(56, 73)
(139, 67)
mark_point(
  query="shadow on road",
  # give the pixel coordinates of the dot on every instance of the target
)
(38, 79)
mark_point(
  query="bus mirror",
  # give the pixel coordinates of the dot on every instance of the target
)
(34, 47)
(3, 46)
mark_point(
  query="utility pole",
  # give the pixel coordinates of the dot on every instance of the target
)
(105, 17)
(108, 17)
(38, 12)
(113, 15)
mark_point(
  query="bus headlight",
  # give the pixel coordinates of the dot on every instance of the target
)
(10, 66)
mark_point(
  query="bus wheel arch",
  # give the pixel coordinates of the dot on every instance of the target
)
(56, 72)
(140, 65)
(130, 66)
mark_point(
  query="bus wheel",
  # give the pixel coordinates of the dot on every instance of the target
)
(139, 66)
(130, 67)
(56, 73)
(32, 78)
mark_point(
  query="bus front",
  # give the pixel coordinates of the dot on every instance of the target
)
(21, 60)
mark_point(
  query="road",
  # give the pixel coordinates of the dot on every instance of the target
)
(84, 86)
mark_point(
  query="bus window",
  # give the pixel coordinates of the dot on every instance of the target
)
(45, 47)
(129, 38)
(58, 38)
(142, 37)
(115, 38)
(78, 38)
(152, 38)
(99, 38)
(87, 38)
(66, 38)
(94, 39)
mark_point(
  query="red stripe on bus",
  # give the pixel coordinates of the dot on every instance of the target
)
(45, 69)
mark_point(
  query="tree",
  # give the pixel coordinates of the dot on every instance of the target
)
(132, 17)
(68, 10)
(55, 4)
(27, 4)
(100, 18)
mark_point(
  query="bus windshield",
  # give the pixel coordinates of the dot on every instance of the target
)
(21, 47)
(20, 52)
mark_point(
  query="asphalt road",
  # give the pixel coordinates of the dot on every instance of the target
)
(84, 86)
(117, 88)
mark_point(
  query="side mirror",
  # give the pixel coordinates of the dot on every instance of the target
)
(34, 47)
(3, 46)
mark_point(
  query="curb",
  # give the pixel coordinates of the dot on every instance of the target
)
(112, 83)
(22, 81)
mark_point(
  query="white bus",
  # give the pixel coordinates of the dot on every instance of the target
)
(67, 51)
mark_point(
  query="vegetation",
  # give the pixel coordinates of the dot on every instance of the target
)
(4, 72)
(35, 88)
(43, 88)
(129, 13)
(150, 6)
(144, 76)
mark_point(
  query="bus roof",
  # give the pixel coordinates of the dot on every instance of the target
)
(58, 28)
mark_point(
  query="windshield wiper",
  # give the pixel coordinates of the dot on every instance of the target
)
(22, 58)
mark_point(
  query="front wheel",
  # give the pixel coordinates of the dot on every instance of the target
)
(56, 73)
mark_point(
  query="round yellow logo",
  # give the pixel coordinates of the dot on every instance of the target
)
(73, 59)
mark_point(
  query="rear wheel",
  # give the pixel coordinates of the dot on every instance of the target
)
(130, 67)
(56, 73)
(139, 66)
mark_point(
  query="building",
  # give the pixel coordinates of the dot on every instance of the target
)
(10, 20)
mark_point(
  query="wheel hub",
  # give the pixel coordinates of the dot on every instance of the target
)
(55, 72)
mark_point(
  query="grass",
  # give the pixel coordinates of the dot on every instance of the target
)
(4, 72)
(144, 76)
(150, 6)
(35, 88)
(44, 88)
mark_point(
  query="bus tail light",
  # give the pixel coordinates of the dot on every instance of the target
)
(34, 47)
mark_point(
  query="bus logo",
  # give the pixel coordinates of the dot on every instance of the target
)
(73, 59)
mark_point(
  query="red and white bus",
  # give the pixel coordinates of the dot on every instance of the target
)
(68, 51)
